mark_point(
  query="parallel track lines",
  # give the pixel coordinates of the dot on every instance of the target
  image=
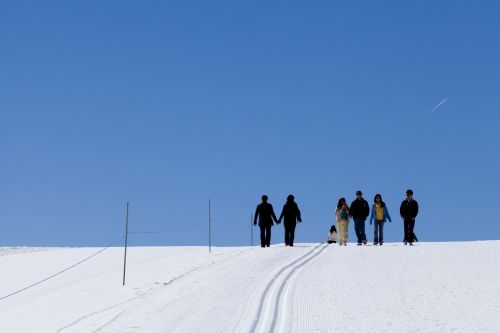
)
(269, 314)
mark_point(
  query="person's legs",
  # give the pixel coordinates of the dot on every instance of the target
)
(346, 231)
(343, 227)
(411, 226)
(381, 232)
(375, 238)
(339, 233)
(262, 235)
(406, 230)
(291, 238)
(268, 235)
(357, 229)
(363, 231)
(287, 235)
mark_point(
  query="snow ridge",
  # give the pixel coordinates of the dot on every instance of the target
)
(429, 287)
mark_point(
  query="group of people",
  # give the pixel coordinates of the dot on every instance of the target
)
(359, 210)
(265, 214)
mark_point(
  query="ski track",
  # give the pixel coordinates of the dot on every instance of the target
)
(100, 318)
(281, 316)
(271, 297)
(222, 315)
(231, 310)
(430, 287)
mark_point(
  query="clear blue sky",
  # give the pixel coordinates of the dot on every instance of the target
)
(168, 103)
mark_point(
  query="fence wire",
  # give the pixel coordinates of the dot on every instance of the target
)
(62, 271)
(190, 227)
(195, 226)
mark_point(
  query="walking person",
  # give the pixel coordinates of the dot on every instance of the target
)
(291, 215)
(266, 215)
(359, 212)
(381, 214)
(409, 211)
(342, 215)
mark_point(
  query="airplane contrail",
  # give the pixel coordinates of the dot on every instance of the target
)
(436, 107)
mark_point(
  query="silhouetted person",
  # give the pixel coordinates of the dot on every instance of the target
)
(409, 211)
(266, 215)
(291, 214)
(359, 212)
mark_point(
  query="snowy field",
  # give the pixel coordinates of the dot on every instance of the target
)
(431, 287)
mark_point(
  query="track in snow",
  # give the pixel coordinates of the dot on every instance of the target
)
(99, 320)
(247, 292)
(271, 315)
(307, 288)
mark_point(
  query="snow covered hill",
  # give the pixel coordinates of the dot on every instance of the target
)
(431, 287)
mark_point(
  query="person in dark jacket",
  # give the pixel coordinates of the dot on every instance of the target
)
(359, 211)
(265, 214)
(291, 214)
(409, 211)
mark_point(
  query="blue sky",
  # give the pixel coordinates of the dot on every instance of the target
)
(169, 103)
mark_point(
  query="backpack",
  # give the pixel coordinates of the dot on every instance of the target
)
(343, 214)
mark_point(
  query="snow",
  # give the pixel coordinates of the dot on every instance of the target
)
(430, 287)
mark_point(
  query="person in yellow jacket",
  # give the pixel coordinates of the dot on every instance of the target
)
(342, 214)
(381, 214)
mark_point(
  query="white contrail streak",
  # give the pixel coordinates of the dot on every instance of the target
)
(436, 107)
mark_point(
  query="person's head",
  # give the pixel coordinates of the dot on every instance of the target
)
(333, 229)
(378, 200)
(409, 194)
(290, 198)
(359, 194)
(264, 198)
(341, 203)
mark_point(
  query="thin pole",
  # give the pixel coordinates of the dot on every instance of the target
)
(126, 240)
(209, 227)
(251, 230)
